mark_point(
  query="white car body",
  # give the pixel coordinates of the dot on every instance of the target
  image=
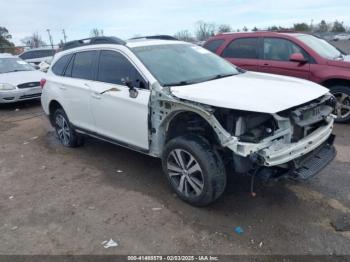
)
(142, 123)
(341, 37)
(38, 55)
(25, 85)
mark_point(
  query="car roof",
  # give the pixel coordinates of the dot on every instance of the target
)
(149, 42)
(259, 33)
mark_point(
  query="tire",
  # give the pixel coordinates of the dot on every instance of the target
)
(65, 131)
(342, 94)
(203, 178)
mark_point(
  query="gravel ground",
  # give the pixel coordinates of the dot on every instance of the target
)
(55, 200)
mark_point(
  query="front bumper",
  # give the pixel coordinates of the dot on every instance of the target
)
(279, 153)
(16, 95)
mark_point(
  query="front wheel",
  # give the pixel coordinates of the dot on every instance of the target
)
(194, 170)
(342, 111)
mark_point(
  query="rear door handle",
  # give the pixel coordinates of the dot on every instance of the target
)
(266, 64)
(62, 87)
(96, 95)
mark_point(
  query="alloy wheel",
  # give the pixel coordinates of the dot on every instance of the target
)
(185, 173)
(63, 130)
(342, 109)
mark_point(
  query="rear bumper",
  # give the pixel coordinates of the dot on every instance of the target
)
(20, 95)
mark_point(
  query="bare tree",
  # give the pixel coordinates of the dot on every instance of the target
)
(204, 30)
(33, 41)
(224, 28)
(95, 32)
(245, 29)
(184, 35)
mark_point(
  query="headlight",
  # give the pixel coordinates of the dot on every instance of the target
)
(5, 87)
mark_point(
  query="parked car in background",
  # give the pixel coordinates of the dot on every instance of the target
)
(38, 55)
(291, 54)
(18, 80)
(341, 37)
(198, 113)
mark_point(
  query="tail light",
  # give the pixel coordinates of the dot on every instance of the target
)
(42, 82)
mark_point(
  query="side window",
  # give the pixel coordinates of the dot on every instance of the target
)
(113, 67)
(83, 66)
(242, 48)
(60, 65)
(27, 55)
(214, 45)
(280, 49)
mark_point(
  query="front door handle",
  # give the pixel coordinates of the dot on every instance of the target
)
(96, 95)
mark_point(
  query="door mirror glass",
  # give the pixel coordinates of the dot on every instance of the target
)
(297, 57)
(133, 93)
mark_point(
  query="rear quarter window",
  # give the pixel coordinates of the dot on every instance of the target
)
(59, 67)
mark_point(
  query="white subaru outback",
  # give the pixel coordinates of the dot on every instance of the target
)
(204, 117)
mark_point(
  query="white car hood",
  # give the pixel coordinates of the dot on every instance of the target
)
(256, 92)
(16, 78)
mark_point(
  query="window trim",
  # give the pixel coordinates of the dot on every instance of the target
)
(310, 59)
(65, 66)
(130, 61)
(240, 38)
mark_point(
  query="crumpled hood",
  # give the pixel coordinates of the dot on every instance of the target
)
(256, 92)
(16, 78)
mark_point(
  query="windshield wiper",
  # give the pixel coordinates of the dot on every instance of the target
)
(220, 76)
(181, 83)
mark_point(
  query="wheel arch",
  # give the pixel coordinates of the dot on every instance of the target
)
(329, 83)
(53, 106)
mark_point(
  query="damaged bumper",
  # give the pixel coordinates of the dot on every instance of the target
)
(279, 153)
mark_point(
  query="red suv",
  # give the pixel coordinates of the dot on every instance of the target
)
(292, 54)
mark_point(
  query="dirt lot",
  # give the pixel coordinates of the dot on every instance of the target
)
(55, 200)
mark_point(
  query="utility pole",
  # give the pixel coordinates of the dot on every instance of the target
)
(64, 36)
(50, 37)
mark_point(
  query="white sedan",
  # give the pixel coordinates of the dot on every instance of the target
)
(18, 80)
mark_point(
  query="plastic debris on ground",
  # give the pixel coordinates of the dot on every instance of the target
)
(119, 171)
(11, 197)
(260, 244)
(110, 243)
(14, 228)
(239, 230)
(342, 224)
(156, 208)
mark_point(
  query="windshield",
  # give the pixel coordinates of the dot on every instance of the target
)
(322, 47)
(8, 65)
(183, 64)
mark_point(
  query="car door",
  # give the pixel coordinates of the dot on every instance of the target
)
(75, 85)
(117, 115)
(275, 58)
(243, 52)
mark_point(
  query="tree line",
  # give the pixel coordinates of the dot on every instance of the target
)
(203, 31)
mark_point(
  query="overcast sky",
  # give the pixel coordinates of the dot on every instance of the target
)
(129, 18)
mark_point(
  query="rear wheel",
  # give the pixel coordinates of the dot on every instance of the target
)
(194, 169)
(342, 111)
(64, 130)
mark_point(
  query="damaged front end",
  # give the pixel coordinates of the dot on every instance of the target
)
(297, 142)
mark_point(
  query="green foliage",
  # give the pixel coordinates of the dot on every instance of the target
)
(5, 45)
(302, 27)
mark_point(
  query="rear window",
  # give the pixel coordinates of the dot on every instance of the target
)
(60, 65)
(214, 45)
(242, 48)
(83, 66)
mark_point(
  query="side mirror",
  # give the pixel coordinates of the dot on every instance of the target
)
(133, 93)
(297, 57)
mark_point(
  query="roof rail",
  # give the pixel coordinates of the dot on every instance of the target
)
(159, 37)
(93, 41)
